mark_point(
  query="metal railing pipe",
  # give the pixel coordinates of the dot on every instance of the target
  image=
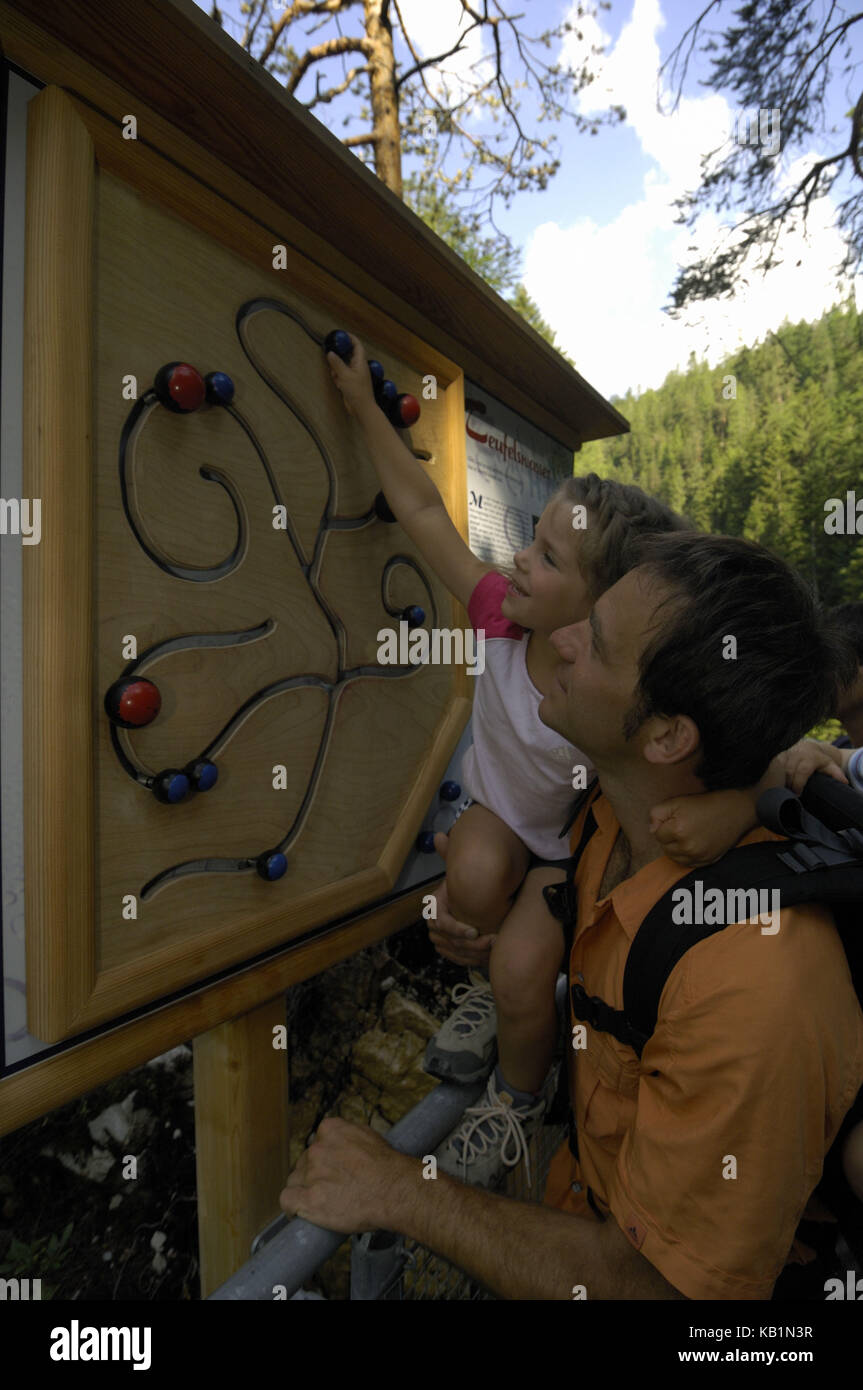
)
(293, 1256)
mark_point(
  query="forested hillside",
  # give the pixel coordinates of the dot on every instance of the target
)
(756, 446)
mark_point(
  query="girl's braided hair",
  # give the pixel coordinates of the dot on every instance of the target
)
(617, 515)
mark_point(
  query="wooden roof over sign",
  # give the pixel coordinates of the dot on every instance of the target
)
(183, 67)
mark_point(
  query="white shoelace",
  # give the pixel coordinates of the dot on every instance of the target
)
(503, 1120)
(478, 1004)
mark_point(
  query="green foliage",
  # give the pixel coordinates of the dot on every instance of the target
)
(827, 732)
(761, 463)
(494, 258)
(524, 305)
(46, 1256)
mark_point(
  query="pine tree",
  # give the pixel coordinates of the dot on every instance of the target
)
(757, 445)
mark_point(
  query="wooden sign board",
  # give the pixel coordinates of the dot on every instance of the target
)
(231, 556)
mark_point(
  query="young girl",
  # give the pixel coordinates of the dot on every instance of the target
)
(519, 773)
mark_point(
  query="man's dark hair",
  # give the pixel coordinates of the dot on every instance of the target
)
(790, 662)
(848, 620)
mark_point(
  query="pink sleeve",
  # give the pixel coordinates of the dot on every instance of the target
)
(483, 608)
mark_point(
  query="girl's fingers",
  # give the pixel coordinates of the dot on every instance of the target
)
(441, 844)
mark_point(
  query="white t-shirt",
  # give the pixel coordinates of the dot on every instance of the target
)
(518, 767)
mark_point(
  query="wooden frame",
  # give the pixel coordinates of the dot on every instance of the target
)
(55, 1081)
(69, 987)
(58, 744)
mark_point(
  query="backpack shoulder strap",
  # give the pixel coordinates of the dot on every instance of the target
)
(661, 941)
(560, 898)
(801, 872)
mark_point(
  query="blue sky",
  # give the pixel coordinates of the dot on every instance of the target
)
(600, 246)
(598, 174)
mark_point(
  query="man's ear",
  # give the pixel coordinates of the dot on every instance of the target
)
(670, 740)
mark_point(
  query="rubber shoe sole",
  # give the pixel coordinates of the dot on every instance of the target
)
(463, 1068)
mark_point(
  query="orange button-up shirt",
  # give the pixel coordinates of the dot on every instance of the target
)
(707, 1149)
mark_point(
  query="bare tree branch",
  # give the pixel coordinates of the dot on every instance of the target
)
(856, 135)
(780, 58)
(333, 92)
(673, 57)
(298, 10)
(824, 35)
(497, 155)
(251, 27)
(423, 63)
(498, 78)
(330, 49)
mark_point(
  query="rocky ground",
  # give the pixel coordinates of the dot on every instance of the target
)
(71, 1216)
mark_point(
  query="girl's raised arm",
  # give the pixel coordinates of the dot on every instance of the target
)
(410, 492)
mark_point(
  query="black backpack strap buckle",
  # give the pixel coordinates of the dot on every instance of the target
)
(589, 1008)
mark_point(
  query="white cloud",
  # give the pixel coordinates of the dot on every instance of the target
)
(602, 287)
(628, 76)
(434, 28)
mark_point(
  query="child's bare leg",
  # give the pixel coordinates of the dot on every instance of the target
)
(525, 961)
(485, 864)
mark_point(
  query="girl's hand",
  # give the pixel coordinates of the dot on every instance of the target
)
(699, 829)
(808, 756)
(353, 379)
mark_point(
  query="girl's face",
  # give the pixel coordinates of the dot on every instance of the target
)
(547, 589)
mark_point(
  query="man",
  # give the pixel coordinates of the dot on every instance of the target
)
(694, 1166)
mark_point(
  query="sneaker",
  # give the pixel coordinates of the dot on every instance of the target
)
(465, 1047)
(492, 1135)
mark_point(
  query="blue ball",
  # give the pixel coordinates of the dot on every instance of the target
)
(387, 394)
(339, 342)
(377, 373)
(202, 774)
(171, 786)
(272, 865)
(220, 388)
(450, 791)
(414, 616)
(425, 842)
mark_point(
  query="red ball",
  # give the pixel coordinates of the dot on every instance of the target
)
(133, 703)
(187, 387)
(406, 410)
(180, 387)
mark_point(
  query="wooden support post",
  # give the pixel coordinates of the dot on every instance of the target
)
(241, 1137)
